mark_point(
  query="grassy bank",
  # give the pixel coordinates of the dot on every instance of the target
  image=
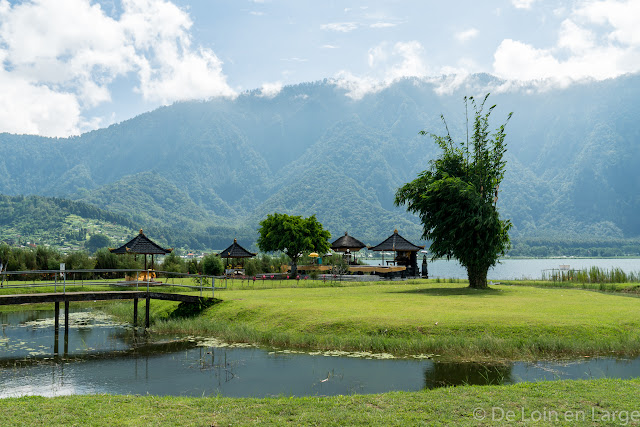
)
(630, 288)
(601, 402)
(448, 319)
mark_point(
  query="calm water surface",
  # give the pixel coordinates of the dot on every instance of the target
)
(100, 356)
(510, 269)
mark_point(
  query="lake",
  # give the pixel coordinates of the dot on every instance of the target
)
(512, 269)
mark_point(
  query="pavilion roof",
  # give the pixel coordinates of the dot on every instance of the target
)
(141, 244)
(236, 251)
(396, 242)
(347, 242)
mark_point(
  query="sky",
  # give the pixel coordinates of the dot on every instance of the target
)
(71, 66)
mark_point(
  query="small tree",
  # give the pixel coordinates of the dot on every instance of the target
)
(456, 198)
(212, 265)
(97, 241)
(292, 235)
(172, 262)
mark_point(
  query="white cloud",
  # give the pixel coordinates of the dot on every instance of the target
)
(387, 65)
(31, 109)
(598, 41)
(382, 25)
(575, 38)
(64, 54)
(466, 35)
(522, 4)
(270, 90)
(329, 46)
(622, 16)
(341, 27)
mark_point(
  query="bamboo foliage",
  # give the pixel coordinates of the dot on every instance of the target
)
(456, 198)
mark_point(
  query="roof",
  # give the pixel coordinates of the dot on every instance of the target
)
(396, 242)
(347, 242)
(236, 251)
(141, 244)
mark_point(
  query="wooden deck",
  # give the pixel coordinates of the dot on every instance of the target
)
(365, 269)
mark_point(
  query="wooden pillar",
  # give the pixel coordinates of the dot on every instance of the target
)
(146, 322)
(55, 342)
(56, 314)
(135, 312)
(66, 317)
(66, 327)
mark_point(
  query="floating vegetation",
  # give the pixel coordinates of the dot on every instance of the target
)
(80, 319)
(217, 343)
(214, 342)
(339, 353)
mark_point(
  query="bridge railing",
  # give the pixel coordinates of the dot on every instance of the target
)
(60, 279)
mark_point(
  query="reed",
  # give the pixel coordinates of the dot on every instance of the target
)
(592, 275)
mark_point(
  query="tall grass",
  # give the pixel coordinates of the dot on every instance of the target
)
(592, 275)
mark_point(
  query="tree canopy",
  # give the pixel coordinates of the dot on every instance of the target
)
(456, 198)
(292, 235)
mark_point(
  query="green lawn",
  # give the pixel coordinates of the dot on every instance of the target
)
(417, 317)
(449, 319)
(594, 402)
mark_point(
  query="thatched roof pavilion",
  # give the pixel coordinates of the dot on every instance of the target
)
(406, 253)
(347, 244)
(236, 251)
(142, 245)
(396, 243)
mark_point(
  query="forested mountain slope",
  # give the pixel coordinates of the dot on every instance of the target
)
(196, 170)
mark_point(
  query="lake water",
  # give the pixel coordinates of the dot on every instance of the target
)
(511, 269)
(100, 356)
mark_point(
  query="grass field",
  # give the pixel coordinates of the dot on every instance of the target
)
(448, 319)
(416, 317)
(593, 402)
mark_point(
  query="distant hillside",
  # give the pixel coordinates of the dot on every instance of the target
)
(202, 173)
(58, 222)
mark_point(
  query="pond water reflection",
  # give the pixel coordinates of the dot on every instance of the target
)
(106, 357)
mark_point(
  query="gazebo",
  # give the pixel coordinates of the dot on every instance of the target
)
(406, 253)
(347, 244)
(235, 251)
(141, 245)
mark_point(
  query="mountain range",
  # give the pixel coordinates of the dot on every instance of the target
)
(198, 174)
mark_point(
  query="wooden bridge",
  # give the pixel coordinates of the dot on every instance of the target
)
(67, 297)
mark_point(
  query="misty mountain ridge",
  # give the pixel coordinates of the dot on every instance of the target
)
(213, 169)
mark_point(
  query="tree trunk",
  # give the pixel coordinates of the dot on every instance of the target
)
(294, 268)
(477, 277)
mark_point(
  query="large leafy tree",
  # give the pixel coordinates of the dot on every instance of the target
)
(292, 235)
(456, 198)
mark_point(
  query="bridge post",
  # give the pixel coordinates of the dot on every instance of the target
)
(135, 312)
(146, 322)
(56, 327)
(66, 317)
(56, 314)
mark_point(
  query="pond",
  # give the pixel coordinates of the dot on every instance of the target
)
(101, 356)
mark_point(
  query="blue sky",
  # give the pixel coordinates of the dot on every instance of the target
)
(69, 66)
